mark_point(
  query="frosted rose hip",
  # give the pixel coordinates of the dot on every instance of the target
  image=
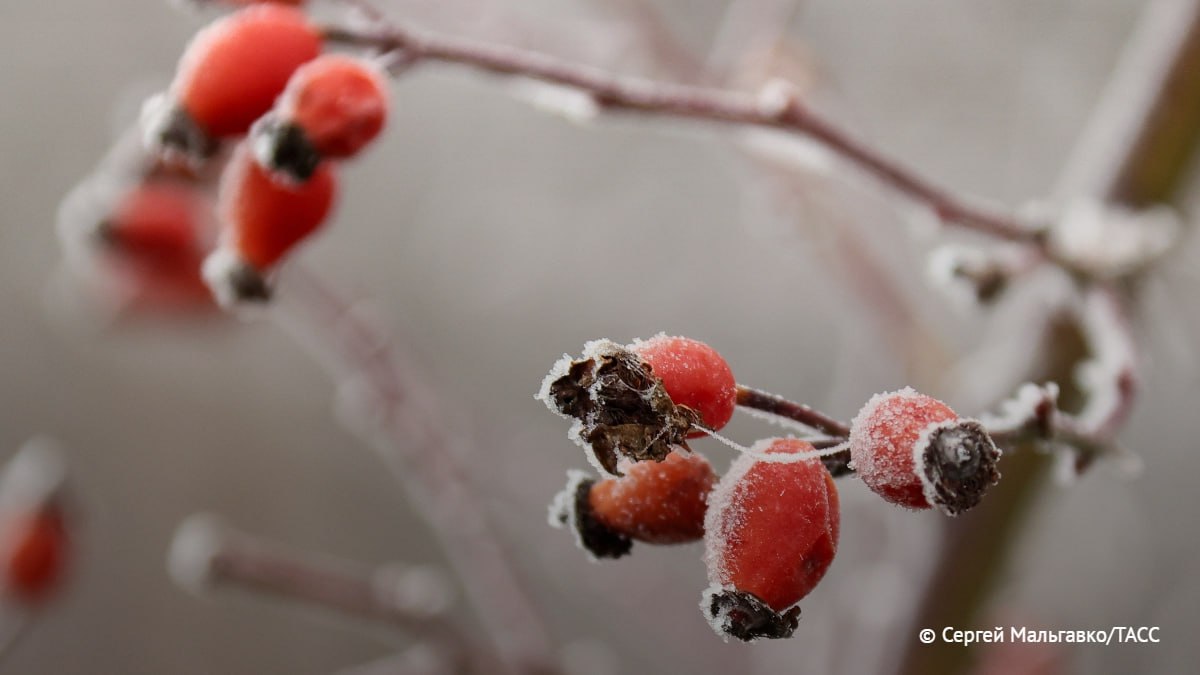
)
(914, 451)
(654, 502)
(771, 533)
(694, 375)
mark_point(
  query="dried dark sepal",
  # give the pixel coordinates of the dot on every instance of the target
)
(959, 465)
(744, 616)
(596, 538)
(284, 148)
(172, 128)
(622, 408)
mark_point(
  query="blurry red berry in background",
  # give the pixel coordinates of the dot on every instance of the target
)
(229, 76)
(694, 375)
(263, 219)
(158, 230)
(34, 549)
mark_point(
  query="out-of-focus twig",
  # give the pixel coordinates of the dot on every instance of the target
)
(390, 407)
(1161, 61)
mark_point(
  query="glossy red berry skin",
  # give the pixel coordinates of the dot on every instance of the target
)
(882, 439)
(233, 70)
(694, 375)
(340, 102)
(656, 502)
(264, 219)
(35, 555)
(772, 527)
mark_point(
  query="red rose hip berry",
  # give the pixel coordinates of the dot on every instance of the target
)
(913, 450)
(771, 532)
(35, 555)
(262, 220)
(694, 375)
(229, 76)
(654, 502)
(332, 107)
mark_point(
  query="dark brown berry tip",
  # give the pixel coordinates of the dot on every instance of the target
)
(168, 128)
(744, 616)
(233, 281)
(958, 465)
(572, 508)
(283, 148)
(621, 409)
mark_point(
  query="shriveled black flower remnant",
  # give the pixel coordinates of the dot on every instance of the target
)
(619, 408)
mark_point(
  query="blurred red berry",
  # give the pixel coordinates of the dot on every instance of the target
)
(35, 555)
(694, 375)
(158, 230)
(332, 108)
(262, 220)
(265, 218)
(770, 534)
(913, 450)
(231, 74)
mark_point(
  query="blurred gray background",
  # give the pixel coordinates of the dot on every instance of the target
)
(464, 226)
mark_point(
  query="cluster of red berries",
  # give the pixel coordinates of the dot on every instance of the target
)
(255, 96)
(770, 524)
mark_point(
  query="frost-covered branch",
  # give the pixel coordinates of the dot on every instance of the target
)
(778, 107)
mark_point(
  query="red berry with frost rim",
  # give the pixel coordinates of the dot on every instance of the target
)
(34, 555)
(913, 450)
(653, 502)
(694, 375)
(332, 108)
(770, 535)
(262, 220)
(229, 76)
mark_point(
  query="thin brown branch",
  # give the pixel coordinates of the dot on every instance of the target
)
(206, 554)
(610, 92)
(837, 463)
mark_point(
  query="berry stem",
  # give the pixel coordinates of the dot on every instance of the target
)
(772, 404)
(616, 93)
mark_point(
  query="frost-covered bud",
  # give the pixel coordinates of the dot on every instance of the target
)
(1106, 240)
(770, 534)
(913, 450)
(656, 503)
(970, 275)
(638, 401)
